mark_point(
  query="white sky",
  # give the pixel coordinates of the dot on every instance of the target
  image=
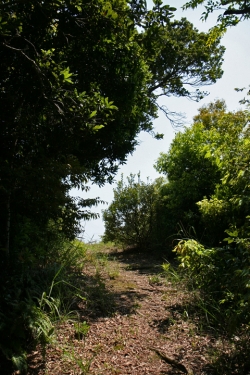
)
(236, 74)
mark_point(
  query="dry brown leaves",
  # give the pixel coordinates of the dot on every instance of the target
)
(143, 313)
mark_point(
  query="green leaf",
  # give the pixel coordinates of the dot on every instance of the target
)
(98, 127)
(92, 114)
(234, 233)
(66, 75)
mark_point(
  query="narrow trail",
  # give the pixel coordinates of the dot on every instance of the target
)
(136, 313)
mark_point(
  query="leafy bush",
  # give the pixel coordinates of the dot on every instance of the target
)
(223, 276)
(129, 220)
(208, 174)
(35, 296)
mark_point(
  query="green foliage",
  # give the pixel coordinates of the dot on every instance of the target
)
(191, 176)
(79, 81)
(195, 164)
(233, 11)
(35, 298)
(81, 330)
(129, 219)
(230, 201)
(23, 321)
(73, 358)
(223, 276)
(208, 189)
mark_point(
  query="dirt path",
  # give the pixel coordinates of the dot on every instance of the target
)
(135, 313)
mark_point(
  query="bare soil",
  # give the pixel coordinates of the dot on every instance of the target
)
(140, 323)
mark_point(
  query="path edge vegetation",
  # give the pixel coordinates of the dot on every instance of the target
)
(199, 212)
(71, 120)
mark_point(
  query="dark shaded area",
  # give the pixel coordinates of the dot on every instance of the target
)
(102, 302)
(163, 324)
(6, 367)
(144, 262)
(235, 360)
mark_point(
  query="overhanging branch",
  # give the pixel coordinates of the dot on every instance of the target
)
(237, 11)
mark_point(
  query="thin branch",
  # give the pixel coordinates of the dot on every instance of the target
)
(24, 54)
(29, 42)
(163, 81)
(171, 361)
(34, 64)
(237, 11)
(177, 119)
(227, 2)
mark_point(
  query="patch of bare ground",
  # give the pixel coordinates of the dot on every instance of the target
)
(138, 322)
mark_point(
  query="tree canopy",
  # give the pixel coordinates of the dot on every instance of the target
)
(203, 205)
(129, 219)
(195, 165)
(232, 12)
(201, 194)
(78, 82)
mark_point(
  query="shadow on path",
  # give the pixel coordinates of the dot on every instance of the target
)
(144, 262)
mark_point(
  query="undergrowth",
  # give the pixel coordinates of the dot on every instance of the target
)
(34, 298)
(33, 303)
(210, 314)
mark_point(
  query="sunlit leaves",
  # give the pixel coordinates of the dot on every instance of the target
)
(66, 75)
(208, 163)
(232, 11)
(129, 219)
(79, 81)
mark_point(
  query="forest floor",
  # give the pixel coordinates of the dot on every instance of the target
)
(134, 321)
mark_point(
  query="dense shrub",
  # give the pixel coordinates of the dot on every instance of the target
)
(38, 291)
(129, 220)
(223, 276)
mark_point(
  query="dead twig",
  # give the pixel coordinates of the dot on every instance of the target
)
(171, 361)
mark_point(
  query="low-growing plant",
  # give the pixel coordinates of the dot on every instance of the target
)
(171, 273)
(155, 279)
(222, 275)
(82, 364)
(81, 330)
(31, 302)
